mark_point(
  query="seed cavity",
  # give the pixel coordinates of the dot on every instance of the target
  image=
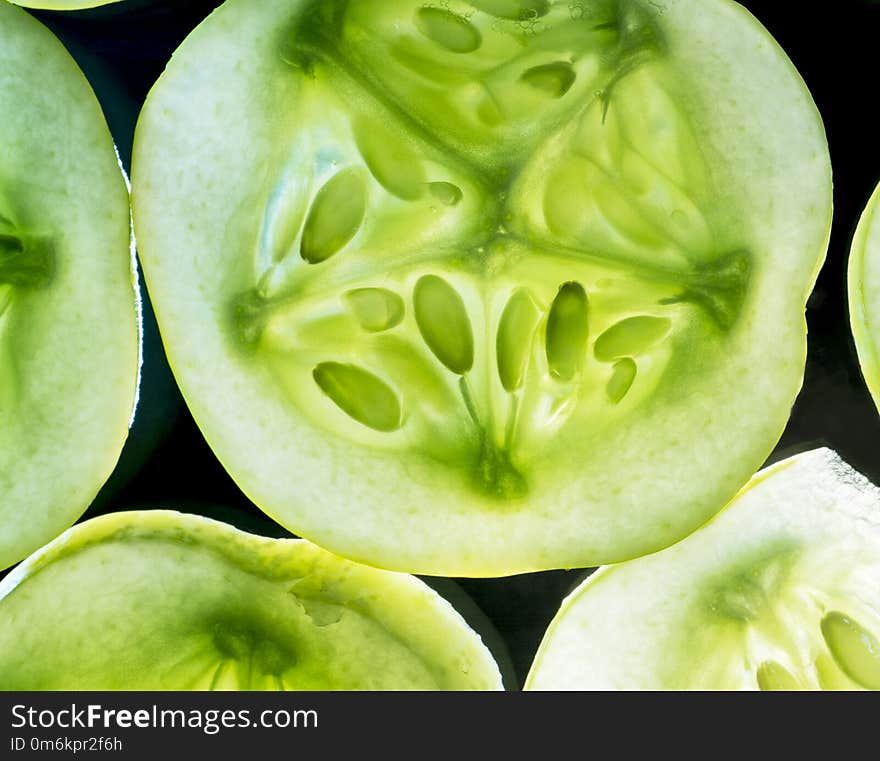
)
(567, 331)
(552, 79)
(390, 160)
(513, 344)
(631, 337)
(447, 193)
(362, 395)
(854, 648)
(622, 377)
(513, 10)
(336, 215)
(375, 309)
(774, 677)
(448, 30)
(444, 324)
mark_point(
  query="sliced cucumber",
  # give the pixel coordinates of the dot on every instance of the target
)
(485, 287)
(63, 5)
(68, 317)
(780, 591)
(863, 281)
(162, 600)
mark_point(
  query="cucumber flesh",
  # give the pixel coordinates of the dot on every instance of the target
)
(160, 600)
(69, 317)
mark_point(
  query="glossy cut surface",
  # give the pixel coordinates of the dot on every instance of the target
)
(490, 287)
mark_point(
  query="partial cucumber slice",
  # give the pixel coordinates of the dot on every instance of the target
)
(864, 293)
(780, 591)
(68, 318)
(161, 600)
(63, 5)
(485, 287)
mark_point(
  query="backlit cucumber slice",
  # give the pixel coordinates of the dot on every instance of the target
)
(864, 293)
(780, 591)
(63, 5)
(68, 318)
(163, 600)
(477, 288)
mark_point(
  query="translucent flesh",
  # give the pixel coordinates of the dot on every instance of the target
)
(780, 591)
(160, 600)
(569, 209)
(68, 319)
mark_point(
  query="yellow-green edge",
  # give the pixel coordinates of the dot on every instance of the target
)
(866, 347)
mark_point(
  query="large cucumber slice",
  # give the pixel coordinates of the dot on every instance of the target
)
(162, 600)
(779, 591)
(485, 287)
(863, 281)
(68, 318)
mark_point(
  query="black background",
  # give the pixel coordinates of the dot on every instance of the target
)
(123, 48)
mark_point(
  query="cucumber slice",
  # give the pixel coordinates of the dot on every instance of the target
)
(63, 5)
(469, 290)
(162, 600)
(780, 591)
(863, 281)
(69, 337)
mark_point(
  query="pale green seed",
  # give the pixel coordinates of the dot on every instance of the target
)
(854, 648)
(361, 395)
(567, 331)
(489, 113)
(447, 193)
(335, 217)
(443, 322)
(830, 676)
(513, 10)
(390, 160)
(630, 337)
(513, 344)
(552, 79)
(448, 30)
(774, 677)
(622, 377)
(375, 309)
(568, 200)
